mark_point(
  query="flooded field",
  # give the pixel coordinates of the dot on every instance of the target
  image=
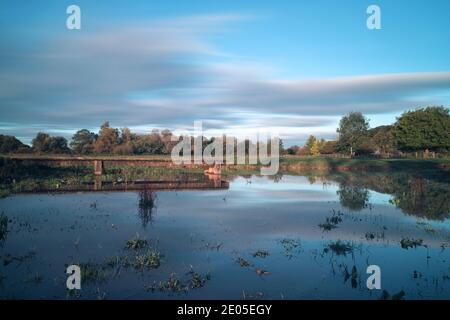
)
(284, 237)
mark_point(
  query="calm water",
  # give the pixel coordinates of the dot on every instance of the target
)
(209, 240)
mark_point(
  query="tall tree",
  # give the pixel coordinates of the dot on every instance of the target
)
(43, 143)
(108, 138)
(83, 141)
(9, 144)
(40, 142)
(423, 129)
(352, 132)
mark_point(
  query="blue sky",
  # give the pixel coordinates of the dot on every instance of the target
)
(288, 67)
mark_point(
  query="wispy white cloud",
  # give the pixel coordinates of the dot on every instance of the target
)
(168, 73)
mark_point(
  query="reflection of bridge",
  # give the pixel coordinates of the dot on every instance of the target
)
(98, 162)
(203, 183)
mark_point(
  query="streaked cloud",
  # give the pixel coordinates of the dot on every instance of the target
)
(168, 73)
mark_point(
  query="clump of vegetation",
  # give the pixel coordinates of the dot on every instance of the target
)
(197, 280)
(95, 273)
(291, 247)
(136, 243)
(340, 248)
(332, 222)
(243, 263)
(3, 227)
(407, 243)
(260, 254)
(173, 284)
(151, 260)
(386, 296)
(371, 235)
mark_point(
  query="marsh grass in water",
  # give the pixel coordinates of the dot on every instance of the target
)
(151, 259)
(95, 273)
(291, 247)
(397, 296)
(332, 222)
(175, 285)
(340, 248)
(260, 254)
(407, 243)
(243, 263)
(136, 243)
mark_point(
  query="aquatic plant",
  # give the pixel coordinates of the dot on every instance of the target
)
(340, 248)
(150, 259)
(386, 296)
(174, 284)
(407, 243)
(332, 222)
(291, 247)
(197, 280)
(243, 263)
(94, 272)
(136, 243)
(260, 254)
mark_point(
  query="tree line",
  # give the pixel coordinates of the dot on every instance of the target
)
(425, 130)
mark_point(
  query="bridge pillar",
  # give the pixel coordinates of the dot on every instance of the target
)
(98, 167)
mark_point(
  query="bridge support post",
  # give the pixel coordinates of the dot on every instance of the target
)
(98, 167)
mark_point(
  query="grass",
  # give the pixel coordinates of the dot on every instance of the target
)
(290, 246)
(94, 272)
(260, 254)
(407, 243)
(136, 243)
(243, 263)
(174, 284)
(151, 259)
(397, 296)
(340, 248)
(332, 222)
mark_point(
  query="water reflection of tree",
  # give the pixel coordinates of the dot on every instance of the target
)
(147, 199)
(353, 197)
(423, 198)
(414, 195)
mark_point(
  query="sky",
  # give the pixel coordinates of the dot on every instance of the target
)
(289, 68)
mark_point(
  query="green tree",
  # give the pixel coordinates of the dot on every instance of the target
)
(423, 129)
(353, 132)
(382, 139)
(329, 147)
(310, 143)
(43, 143)
(40, 142)
(9, 144)
(83, 141)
